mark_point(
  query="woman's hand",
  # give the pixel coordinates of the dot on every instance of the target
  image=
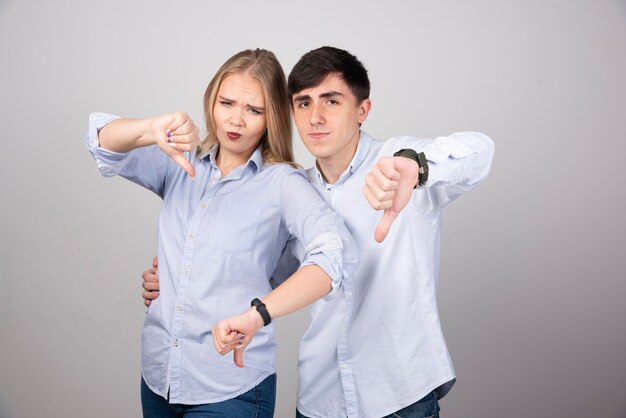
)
(175, 133)
(235, 333)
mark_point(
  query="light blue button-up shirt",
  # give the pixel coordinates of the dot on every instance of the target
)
(378, 346)
(219, 240)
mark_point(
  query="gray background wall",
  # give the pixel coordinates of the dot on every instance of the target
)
(532, 285)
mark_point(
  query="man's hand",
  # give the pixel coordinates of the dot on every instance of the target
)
(150, 283)
(176, 133)
(235, 333)
(389, 187)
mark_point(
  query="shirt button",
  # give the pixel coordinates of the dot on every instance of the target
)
(176, 342)
(343, 366)
(203, 205)
(348, 294)
(179, 307)
(185, 272)
(191, 236)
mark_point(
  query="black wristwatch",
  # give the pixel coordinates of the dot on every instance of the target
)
(421, 161)
(262, 310)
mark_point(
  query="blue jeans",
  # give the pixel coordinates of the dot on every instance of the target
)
(258, 402)
(427, 407)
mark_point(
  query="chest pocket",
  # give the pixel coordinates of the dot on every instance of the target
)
(234, 227)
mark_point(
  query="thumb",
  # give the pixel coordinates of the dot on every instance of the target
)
(238, 356)
(384, 225)
(179, 157)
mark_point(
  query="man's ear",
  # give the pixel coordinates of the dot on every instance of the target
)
(364, 110)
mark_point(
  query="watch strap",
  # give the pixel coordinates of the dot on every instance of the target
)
(262, 310)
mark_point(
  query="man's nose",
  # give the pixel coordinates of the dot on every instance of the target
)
(317, 115)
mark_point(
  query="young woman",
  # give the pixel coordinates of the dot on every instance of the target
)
(226, 217)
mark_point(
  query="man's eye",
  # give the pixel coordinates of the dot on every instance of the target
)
(333, 102)
(303, 104)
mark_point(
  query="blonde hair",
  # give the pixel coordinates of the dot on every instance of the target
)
(263, 66)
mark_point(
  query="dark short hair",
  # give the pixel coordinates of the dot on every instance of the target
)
(316, 65)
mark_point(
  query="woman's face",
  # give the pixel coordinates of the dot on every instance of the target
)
(239, 115)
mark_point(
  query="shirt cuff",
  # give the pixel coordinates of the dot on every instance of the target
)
(325, 251)
(109, 163)
(453, 146)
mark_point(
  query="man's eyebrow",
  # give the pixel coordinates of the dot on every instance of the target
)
(325, 95)
(330, 94)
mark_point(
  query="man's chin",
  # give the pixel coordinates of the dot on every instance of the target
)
(320, 155)
(317, 150)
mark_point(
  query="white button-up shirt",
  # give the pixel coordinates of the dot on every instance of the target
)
(378, 346)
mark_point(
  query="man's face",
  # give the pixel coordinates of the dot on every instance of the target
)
(327, 117)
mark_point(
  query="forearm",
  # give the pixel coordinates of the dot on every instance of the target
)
(304, 287)
(123, 135)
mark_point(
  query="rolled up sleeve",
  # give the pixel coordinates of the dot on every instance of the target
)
(321, 237)
(109, 163)
(145, 166)
(461, 158)
(457, 163)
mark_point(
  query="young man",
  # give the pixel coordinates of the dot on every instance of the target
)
(377, 349)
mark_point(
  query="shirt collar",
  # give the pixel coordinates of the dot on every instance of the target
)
(255, 161)
(362, 149)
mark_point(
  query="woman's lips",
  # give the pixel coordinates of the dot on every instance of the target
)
(233, 135)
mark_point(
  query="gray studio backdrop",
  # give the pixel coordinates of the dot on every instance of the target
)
(532, 285)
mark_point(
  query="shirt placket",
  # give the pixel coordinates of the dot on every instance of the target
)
(184, 280)
(345, 366)
(343, 353)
